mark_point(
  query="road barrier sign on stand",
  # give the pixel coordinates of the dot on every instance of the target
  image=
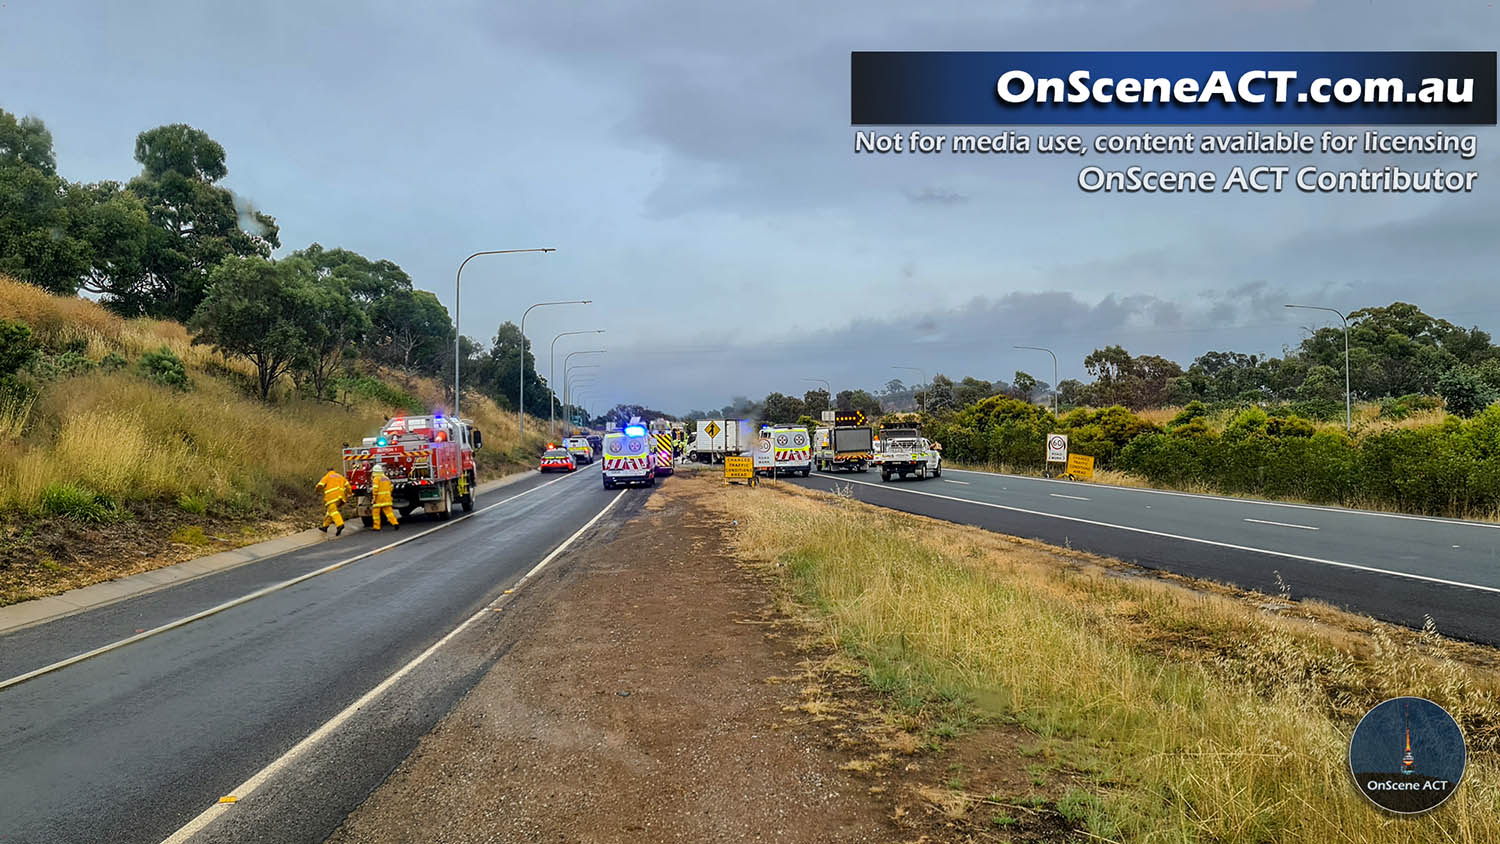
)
(738, 468)
(1080, 467)
(1057, 448)
(764, 456)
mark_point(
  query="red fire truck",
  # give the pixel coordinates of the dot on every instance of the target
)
(428, 459)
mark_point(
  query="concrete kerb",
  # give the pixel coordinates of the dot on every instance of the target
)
(41, 610)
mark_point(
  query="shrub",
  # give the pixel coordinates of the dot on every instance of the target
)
(62, 365)
(79, 503)
(1464, 392)
(17, 347)
(113, 362)
(1192, 411)
(376, 390)
(165, 368)
(193, 503)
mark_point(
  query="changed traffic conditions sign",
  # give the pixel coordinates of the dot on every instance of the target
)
(1080, 467)
(738, 468)
(1057, 448)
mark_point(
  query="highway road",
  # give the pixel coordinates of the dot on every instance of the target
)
(135, 743)
(1393, 567)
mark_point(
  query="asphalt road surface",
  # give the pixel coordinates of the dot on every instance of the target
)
(135, 743)
(1393, 567)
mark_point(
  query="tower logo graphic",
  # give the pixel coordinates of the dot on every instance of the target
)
(1407, 755)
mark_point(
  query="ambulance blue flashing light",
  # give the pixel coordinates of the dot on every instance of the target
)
(381, 440)
(635, 431)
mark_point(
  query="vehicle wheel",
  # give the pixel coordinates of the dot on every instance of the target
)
(806, 472)
(885, 476)
(468, 500)
(938, 472)
(609, 484)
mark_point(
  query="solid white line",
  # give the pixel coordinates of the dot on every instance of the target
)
(1074, 497)
(259, 593)
(1231, 500)
(249, 786)
(1283, 524)
(948, 481)
(1214, 542)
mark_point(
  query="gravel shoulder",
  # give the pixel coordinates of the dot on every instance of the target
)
(650, 692)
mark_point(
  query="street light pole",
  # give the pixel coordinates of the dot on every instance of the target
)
(568, 374)
(1348, 400)
(1054, 371)
(569, 357)
(826, 388)
(923, 373)
(521, 401)
(458, 312)
(552, 375)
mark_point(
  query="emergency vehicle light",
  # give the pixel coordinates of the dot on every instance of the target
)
(381, 440)
(635, 431)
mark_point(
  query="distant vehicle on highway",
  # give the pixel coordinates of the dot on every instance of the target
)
(716, 438)
(557, 460)
(902, 456)
(583, 453)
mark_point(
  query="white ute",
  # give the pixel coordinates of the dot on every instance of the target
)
(904, 456)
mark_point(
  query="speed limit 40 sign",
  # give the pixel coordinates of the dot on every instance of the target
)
(1057, 448)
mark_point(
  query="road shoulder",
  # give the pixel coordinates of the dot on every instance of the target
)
(654, 696)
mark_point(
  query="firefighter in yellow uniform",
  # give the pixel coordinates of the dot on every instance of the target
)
(380, 492)
(335, 492)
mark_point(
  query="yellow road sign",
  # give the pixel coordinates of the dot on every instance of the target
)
(1081, 466)
(712, 430)
(738, 468)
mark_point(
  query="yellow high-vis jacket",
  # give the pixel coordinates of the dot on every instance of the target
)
(380, 488)
(335, 488)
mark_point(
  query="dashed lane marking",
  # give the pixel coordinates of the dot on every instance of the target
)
(1283, 524)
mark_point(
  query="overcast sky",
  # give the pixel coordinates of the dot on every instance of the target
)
(693, 165)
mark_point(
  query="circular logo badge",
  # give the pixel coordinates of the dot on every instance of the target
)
(782, 440)
(799, 440)
(636, 446)
(1407, 755)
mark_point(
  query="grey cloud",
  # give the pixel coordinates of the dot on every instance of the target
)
(937, 196)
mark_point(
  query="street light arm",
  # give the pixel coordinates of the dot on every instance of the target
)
(521, 400)
(1348, 392)
(458, 313)
(552, 376)
(1054, 371)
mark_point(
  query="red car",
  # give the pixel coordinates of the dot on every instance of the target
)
(557, 460)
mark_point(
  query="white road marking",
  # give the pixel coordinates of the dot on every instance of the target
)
(249, 786)
(1074, 497)
(1319, 560)
(259, 593)
(1283, 524)
(1257, 501)
(947, 481)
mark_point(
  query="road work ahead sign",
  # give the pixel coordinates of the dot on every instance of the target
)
(1057, 448)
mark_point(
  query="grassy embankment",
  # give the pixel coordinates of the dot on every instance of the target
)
(110, 448)
(1184, 714)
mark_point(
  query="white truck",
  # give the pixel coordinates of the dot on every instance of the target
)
(901, 456)
(849, 448)
(716, 438)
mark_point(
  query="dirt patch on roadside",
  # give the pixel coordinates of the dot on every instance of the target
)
(655, 693)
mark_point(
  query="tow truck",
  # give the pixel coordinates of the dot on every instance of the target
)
(429, 460)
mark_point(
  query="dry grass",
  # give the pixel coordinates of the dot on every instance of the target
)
(119, 435)
(1216, 720)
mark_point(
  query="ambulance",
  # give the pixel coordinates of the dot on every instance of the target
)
(792, 448)
(629, 457)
